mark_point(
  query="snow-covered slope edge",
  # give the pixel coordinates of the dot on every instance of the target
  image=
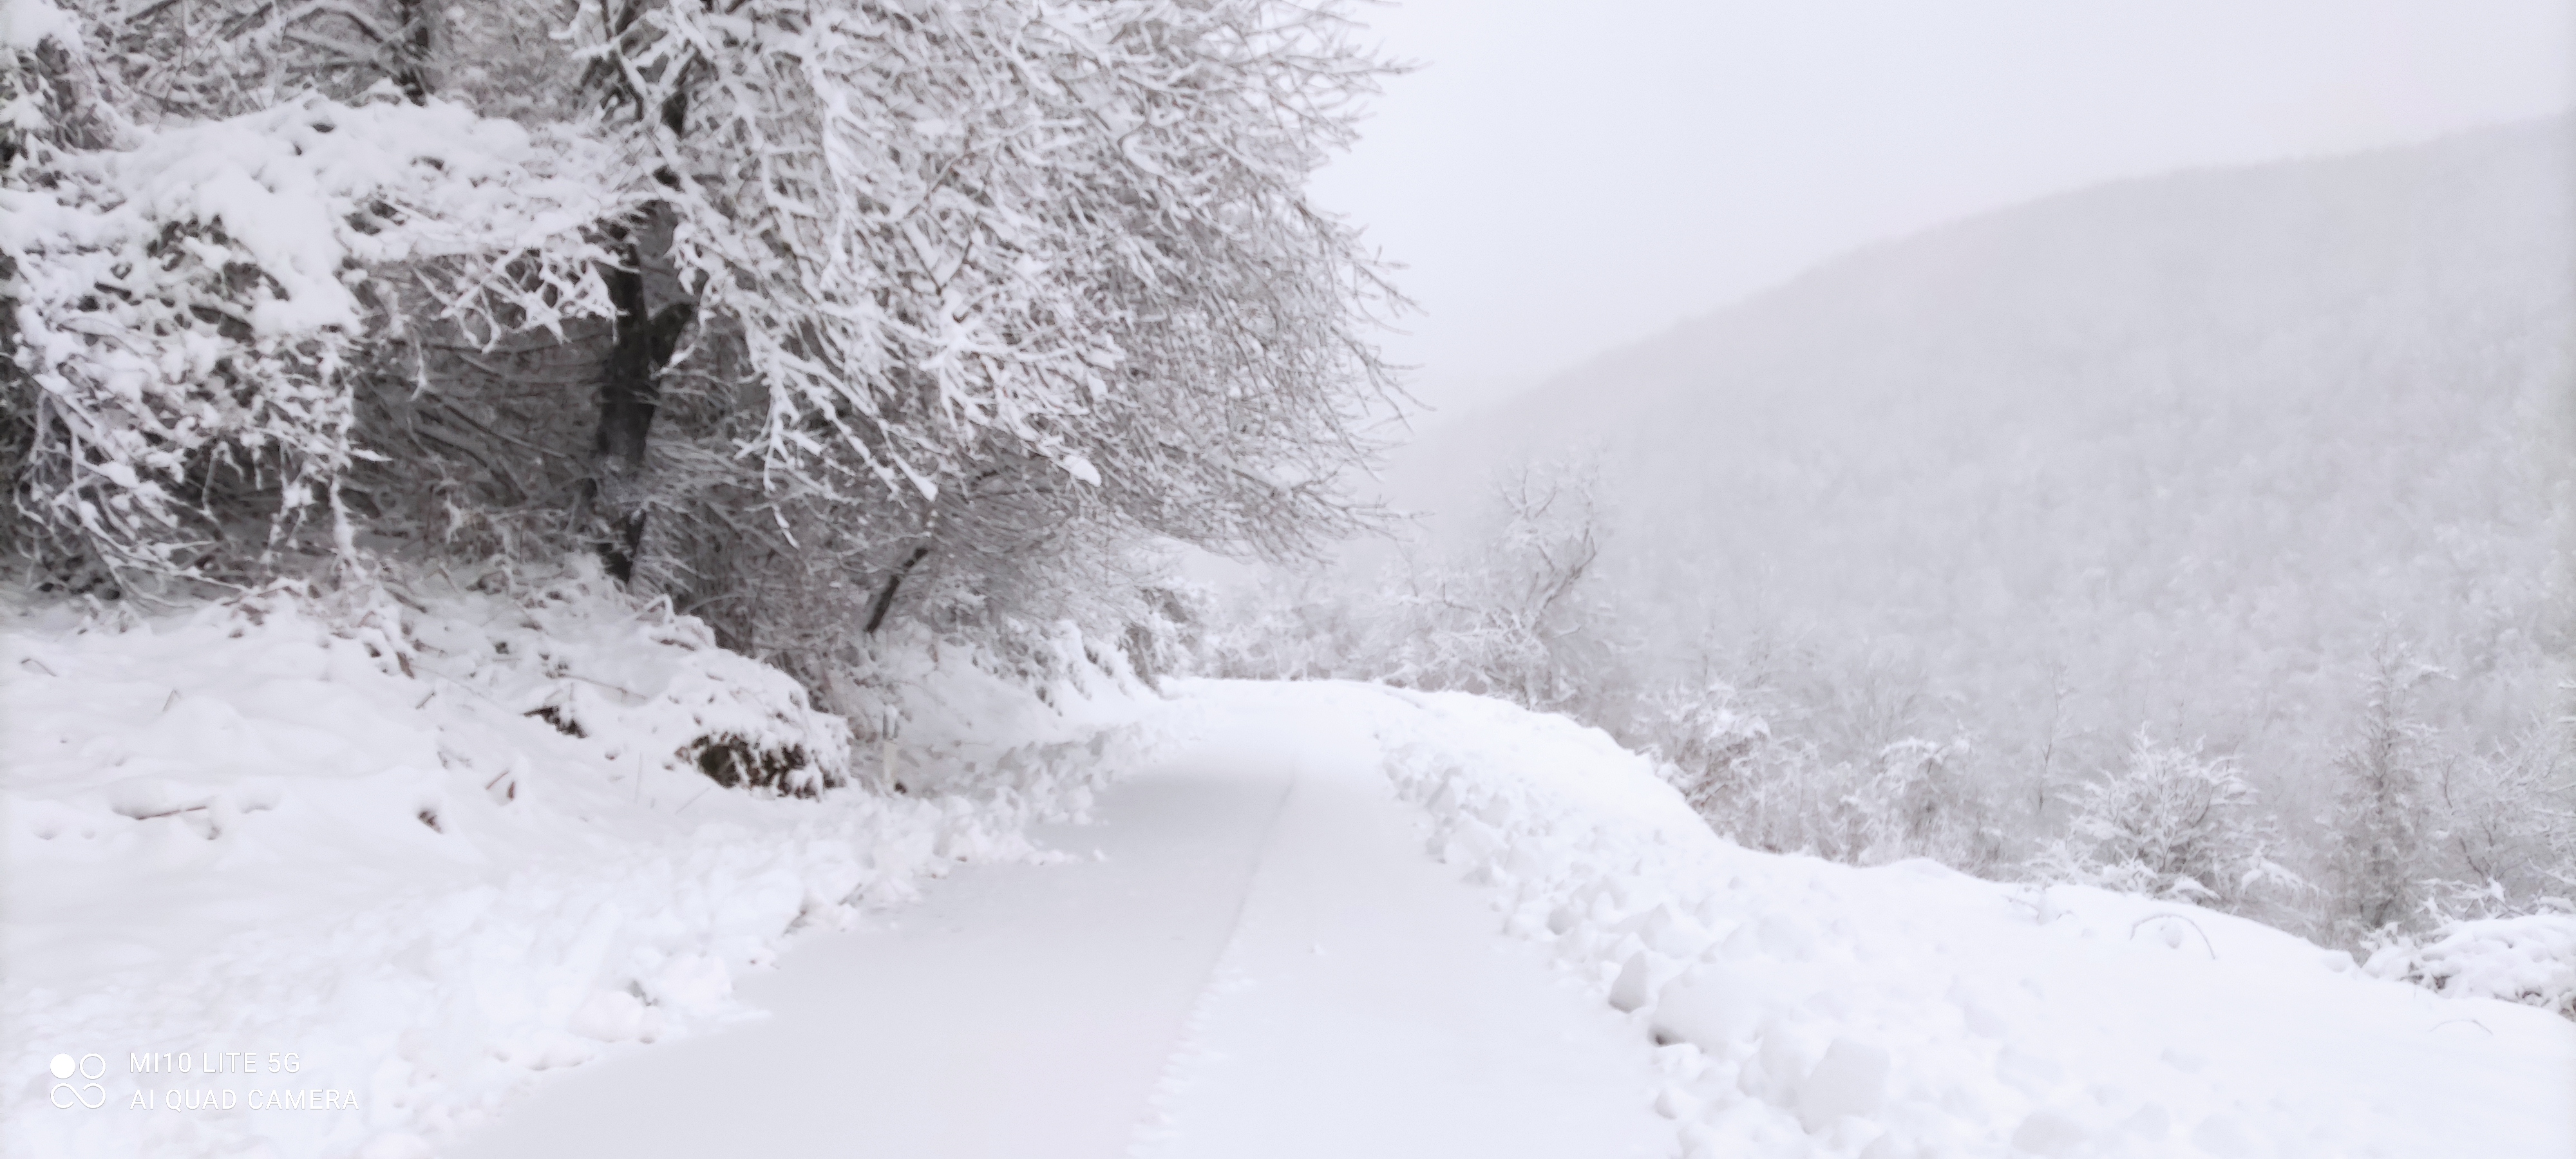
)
(431, 843)
(1811, 1008)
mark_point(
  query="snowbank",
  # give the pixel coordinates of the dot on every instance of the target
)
(2529, 959)
(1810, 1008)
(430, 845)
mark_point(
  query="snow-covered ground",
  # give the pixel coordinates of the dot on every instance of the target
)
(279, 830)
(1250, 957)
(1813, 1008)
(1305, 919)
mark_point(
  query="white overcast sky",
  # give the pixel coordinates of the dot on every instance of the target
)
(1565, 177)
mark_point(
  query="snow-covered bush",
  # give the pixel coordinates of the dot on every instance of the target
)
(1168, 632)
(2529, 959)
(2173, 824)
(49, 83)
(1764, 789)
(1777, 792)
(911, 697)
(1922, 801)
(1296, 626)
(1717, 748)
(2505, 840)
(1514, 617)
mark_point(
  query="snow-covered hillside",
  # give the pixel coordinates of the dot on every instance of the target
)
(250, 832)
(2178, 452)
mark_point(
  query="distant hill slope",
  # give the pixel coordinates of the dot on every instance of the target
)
(2177, 452)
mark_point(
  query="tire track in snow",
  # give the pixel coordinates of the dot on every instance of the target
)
(1225, 977)
(1015, 1011)
(1369, 1006)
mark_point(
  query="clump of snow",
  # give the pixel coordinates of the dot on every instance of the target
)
(27, 24)
(328, 825)
(2529, 959)
(1805, 1007)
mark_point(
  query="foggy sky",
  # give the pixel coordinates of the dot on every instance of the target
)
(1563, 177)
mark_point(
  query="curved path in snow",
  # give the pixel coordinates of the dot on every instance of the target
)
(1260, 961)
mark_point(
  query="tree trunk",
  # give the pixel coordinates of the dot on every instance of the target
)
(413, 49)
(885, 595)
(653, 308)
(650, 319)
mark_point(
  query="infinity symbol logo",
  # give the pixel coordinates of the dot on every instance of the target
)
(90, 1095)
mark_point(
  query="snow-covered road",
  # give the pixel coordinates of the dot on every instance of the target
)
(1251, 955)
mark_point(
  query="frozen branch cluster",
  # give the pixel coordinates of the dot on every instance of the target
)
(187, 307)
(1071, 233)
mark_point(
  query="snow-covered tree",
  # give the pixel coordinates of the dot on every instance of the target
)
(815, 315)
(193, 299)
(1518, 618)
(1059, 256)
(2380, 832)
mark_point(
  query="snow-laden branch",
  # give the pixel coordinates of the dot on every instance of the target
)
(1079, 230)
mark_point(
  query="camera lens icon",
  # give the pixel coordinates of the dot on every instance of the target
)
(89, 1094)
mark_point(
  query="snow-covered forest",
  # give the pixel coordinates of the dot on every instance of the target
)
(807, 576)
(2214, 546)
